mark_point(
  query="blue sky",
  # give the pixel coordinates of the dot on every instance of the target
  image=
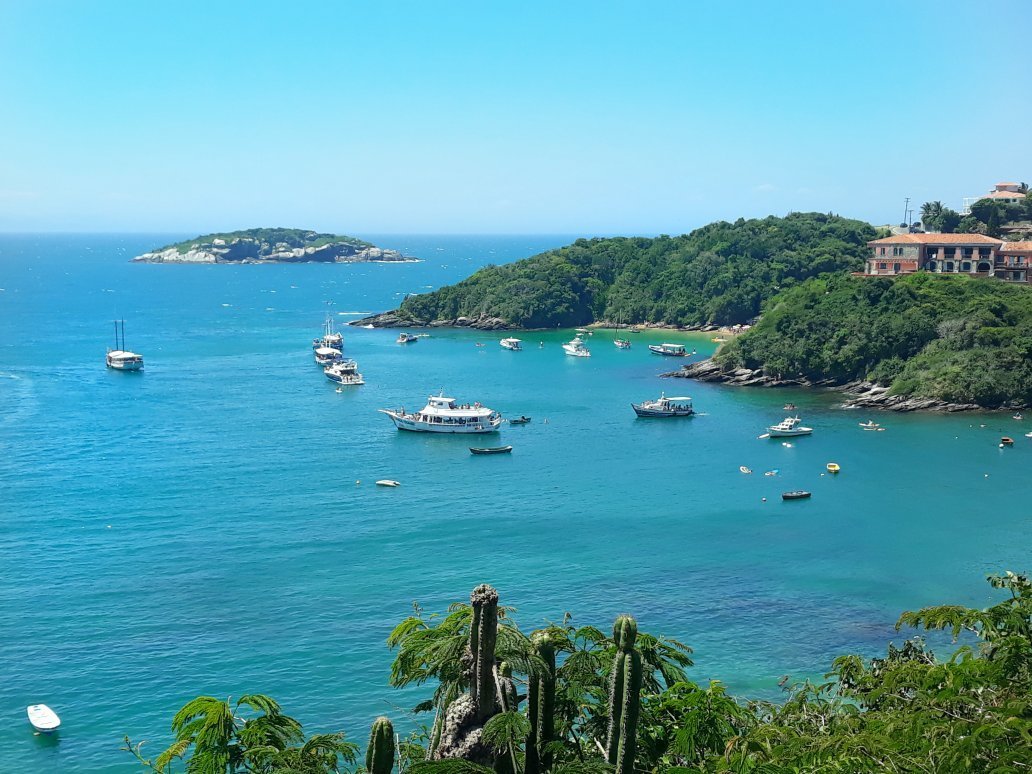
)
(502, 117)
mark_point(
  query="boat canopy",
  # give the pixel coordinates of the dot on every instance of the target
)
(679, 400)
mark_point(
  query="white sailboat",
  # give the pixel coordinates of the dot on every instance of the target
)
(120, 358)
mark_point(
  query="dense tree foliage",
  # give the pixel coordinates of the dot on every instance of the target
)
(720, 274)
(905, 712)
(958, 339)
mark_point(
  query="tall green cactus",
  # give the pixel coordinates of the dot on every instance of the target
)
(624, 696)
(541, 707)
(379, 758)
(483, 633)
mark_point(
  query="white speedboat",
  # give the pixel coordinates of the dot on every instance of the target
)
(576, 348)
(622, 344)
(325, 356)
(330, 339)
(344, 372)
(788, 427)
(514, 344)
(42, 718)
(670, 350)
(664, 407)
(444, 415)
(407, 338)
(120, 358)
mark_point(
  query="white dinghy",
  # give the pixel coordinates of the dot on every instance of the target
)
(42, 718)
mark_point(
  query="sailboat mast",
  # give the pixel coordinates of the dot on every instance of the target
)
(123, 335)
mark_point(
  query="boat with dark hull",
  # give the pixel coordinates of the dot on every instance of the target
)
(664, 407)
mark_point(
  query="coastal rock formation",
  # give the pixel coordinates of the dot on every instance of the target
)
(396, 319)
(271, 246)
(859, 394)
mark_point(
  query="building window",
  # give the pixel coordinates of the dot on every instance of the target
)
(983, 266)
(966, 266)
(949, 266)
(932, 265)
(896, 268)
(983, 252)
(883, 266)
(968, 252)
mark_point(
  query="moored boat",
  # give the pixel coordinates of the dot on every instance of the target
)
(344, 372)
(42, 718)
(519, 420)
(444, 415)
(670, 350)
(1006, 441)
(797, 494)
(490, 449)
(120, 358)
(325, 356)
(664, 407)
(833, 467)
(330, 339)
(622, 344)
(511, 344)
(407, 338)
(788, 427)
(789, 407)
(869, 425)
(388, 482)
(576, 348)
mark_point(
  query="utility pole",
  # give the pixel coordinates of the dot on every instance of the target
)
(906, 212)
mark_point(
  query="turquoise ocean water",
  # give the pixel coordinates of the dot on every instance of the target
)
(211, 526)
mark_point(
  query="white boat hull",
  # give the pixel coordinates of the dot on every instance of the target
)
(789, 433)
(415, 425)
(42, 718)
(576, 352)
(125, 365)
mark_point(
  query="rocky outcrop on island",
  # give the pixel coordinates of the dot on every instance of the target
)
(858, 394)
(397, 319)
(274, 245)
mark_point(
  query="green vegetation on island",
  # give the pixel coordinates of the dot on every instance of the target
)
(957, 339)
(270, 245)
(572, 700)
(718, 274)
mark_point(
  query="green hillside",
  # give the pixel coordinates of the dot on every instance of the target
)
(720, 274)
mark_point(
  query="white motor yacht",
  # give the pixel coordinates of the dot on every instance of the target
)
(789, 426)
(576, 348)
(344, 372)
(514, 344)
(120, 358)
(325, 356)
(444, 415)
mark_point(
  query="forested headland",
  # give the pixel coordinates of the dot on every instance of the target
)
(957, 339)
(719, 274)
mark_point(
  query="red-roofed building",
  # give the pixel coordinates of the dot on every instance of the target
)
(972, 254)
(1005, 193)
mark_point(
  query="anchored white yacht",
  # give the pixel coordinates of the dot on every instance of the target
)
(514, 344)
(330, 339)
(576, 348)
(344, 372)
(444, 415)
(789, 426)
(325, 356)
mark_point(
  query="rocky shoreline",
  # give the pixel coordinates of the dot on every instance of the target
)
(858, 394)
(249, 251)
(392, 319)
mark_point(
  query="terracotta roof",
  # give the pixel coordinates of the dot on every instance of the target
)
(937, 239)
(1016, 247)
(999, 184)
(1004, 195)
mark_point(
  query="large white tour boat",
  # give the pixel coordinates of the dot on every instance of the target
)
(325, 356)
(576, 348)
(444, 415)
(120, 358)
(670, 350)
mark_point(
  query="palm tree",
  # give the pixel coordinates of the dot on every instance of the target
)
(931, 214)
(225, 741)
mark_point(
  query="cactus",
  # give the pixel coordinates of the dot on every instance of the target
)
(379, 757)
(541, 708)
(624, 696)
(466, 714)
(482, 635)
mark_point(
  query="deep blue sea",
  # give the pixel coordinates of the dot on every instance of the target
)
(211, 526)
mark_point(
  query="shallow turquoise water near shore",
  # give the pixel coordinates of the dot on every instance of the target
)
(200, 528)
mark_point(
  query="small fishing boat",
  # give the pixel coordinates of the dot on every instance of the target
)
(1006, 441)
(519, 420)
(582, 331)
(388, 482)
(42, 718)
(576, 348)
(664, 407)
(511, 344)
(870, 424)
(834, 467)
(797, 494)
(1018, 416)
(120, 358)
(622, 344)
(490, 449)
(744, 469)
(407, 338)
(789, 407)
(670, 350)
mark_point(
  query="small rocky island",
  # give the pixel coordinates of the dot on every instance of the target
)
(272, 245)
